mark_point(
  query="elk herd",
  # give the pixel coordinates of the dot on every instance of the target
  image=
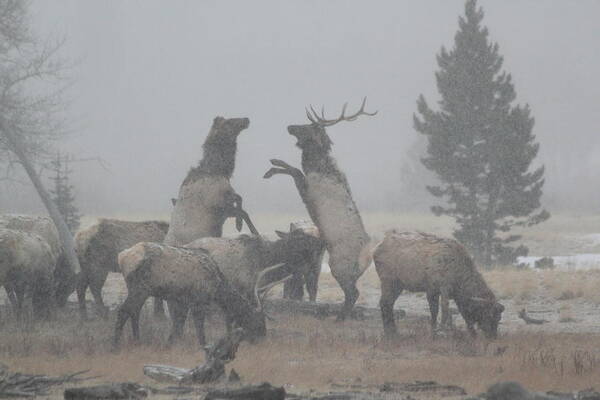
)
(189, 264)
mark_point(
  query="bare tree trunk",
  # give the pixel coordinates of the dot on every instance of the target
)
(63, 230)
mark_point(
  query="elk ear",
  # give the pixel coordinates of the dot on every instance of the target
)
(173, 201)
(282, 235)
(499, 308)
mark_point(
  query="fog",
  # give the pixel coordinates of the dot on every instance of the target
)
(150, 76)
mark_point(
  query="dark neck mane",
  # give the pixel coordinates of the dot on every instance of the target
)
(218, 160)
(321, 162)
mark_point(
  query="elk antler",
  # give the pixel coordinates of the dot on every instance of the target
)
(314, 117)
(258, 289)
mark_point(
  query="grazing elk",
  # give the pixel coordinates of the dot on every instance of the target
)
(45, 228)
(242, 264)
(98, 248)
(188, 276)
(443, 269)
(328, 200)
(27, 264)
(247, 261)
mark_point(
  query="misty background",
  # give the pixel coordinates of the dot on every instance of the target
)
(150, 76)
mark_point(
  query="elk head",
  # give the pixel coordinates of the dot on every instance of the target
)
(313, 136)
(488, 314)
(292, 250)
(226, 130)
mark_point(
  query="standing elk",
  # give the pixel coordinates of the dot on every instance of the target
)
(98, 248)
(443, 269)
(326, 194)
(43, 227)
(26, 266)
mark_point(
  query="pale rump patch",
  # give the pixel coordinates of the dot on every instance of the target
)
(128, 259)
(307, 227)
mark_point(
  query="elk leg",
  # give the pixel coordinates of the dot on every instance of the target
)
(351, 294)
(237, 202)
(284, 168)
(159, 308)
(390, 290)
(20, 297)
(10, 294)
(130, 308)
(96, 283)
(471, 328)
(42, 298)
(178, 311)
(82, 285)
(198, 317)
(445, 300)
(433, 298)
(293, 288)
(242, 214)
(312, 283)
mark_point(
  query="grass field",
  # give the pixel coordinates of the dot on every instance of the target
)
(303, 352)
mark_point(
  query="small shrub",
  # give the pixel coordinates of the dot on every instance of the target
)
(545, 263)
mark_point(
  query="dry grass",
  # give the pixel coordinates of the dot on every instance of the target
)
(309, 353)
(551, 284)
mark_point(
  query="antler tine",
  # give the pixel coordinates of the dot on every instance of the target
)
(259, 278)
(310, 118)
(362, 108)
(315, 115)
(361, 111)
(322, 121)
(341, 118)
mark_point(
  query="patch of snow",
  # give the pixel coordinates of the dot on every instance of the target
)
(593, 239)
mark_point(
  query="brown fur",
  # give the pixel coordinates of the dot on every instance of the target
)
(308, 269)
(188, 278)
(98, 247)
(206, 198)
(440, 267)
(26, 266)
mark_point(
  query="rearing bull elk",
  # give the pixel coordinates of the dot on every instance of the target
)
(328, 200)
(440, 267)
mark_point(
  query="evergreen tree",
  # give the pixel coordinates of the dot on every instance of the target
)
(481, 146)
(62, 194)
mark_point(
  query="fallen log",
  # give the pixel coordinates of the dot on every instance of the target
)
(25, 385)
(424, 386)
(217, 355)
(322, 310)
(124, 390)
(253, 392)
(528, 320)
